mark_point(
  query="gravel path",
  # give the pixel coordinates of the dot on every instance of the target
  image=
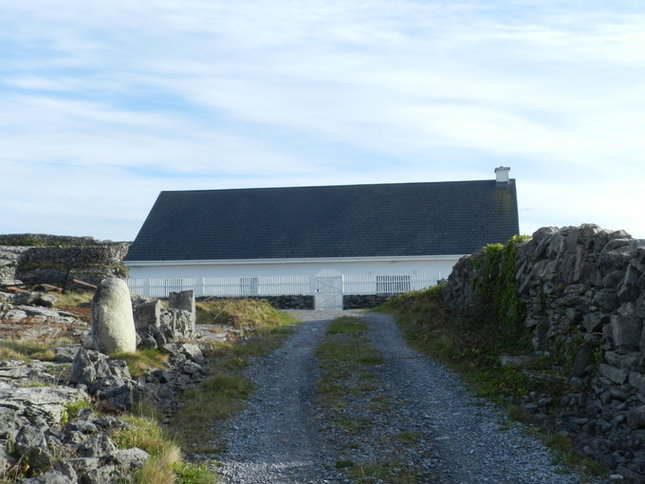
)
(284, 435)
(466, 431)
(274, 439)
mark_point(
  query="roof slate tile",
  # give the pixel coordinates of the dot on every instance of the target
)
(403, 219)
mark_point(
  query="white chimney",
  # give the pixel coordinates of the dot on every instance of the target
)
(501, 173)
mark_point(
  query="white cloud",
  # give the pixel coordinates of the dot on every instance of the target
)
(115, 95)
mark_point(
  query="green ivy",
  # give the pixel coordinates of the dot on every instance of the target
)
(495, 269)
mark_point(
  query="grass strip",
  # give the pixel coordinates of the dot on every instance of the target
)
(348, 383)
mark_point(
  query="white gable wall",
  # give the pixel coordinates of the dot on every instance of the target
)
(363, 275)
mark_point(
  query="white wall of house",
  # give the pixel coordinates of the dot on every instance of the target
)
(277, 277)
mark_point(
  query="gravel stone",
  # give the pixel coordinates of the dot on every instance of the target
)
(284, 436)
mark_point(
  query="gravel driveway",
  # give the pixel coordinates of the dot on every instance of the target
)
(283, 435)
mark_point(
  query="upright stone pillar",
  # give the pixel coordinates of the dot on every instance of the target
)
(184, 300)
(113, 327)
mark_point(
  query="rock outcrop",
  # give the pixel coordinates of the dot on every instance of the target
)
(157, 326)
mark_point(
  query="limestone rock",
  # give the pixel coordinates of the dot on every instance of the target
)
(113, 327)
(46, 403)
(6, 459)
(184, 300)
(147, 314)
(134, 458)
(32, 445)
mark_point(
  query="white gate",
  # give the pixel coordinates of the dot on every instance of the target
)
(329, 291)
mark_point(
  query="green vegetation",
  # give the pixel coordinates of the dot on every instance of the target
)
(73, 299)
(566, 455)
(29, 350)
(142, 361)
(496, 270)
(72, 410)
(223, 394)
(241, 313)
(165, 465)
(346, 351)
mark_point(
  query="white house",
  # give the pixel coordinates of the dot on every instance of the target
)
(326, 242)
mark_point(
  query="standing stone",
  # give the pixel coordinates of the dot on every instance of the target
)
(147, 314)
(184, 300)
(112, 321)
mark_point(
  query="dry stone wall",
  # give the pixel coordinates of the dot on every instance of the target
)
(60, 265)
(9, 260)
(583, 290)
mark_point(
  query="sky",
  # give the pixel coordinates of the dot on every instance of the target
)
(104, 104)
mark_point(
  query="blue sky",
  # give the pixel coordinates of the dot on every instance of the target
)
(105, 104)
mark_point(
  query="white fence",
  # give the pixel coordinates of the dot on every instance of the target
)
(280, 285)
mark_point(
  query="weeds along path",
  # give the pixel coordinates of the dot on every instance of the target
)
(274, 440)
(473, 440)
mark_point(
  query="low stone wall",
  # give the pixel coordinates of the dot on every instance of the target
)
(365, 301)
(60, 265)
(583, 290)
(278, 302)
(43, 240)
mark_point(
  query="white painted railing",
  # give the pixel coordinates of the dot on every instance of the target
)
(363, 284)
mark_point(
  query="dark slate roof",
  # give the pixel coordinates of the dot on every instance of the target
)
(405, 219)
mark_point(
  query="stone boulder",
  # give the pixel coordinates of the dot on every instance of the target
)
(157, 326)
(108, 380)
(113, 327)
(42, 403)
(184, 300)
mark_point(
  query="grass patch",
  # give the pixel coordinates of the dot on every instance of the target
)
(241, 313)
(409, 438)
(391, 472)
(347, 325)
(345, 352)
(166, 464)
(28, 350)
(142, 361)
(72, 410)
(567, 455)
(72, 299)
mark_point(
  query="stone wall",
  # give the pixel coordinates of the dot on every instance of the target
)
(583, 289)
(365, 301)
(60, 265)
(47, 240)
